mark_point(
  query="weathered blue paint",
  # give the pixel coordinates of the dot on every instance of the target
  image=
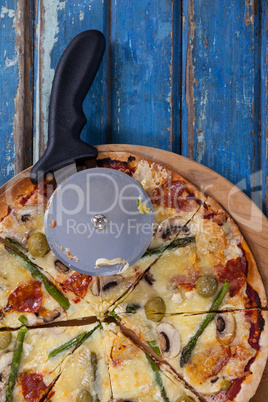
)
(264, 103)
(9, 78)
(223, 131)
(141, 84)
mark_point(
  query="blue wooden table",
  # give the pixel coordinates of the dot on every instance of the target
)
(188, 76)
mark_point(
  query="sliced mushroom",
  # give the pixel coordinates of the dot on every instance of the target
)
(60, 267)
(149, 278)
(95, 286)
(225, 328)
(47, 315)
(169, 338)
(109, 282)
(167, 231)
(27, 213)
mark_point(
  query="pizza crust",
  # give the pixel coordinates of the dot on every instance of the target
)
(251, 383)
(253, 277)
(11, 196)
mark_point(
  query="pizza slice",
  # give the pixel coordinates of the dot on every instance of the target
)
(32, 360)
(135, 376)
(84, 374)
(192, 271)
(26, 291)
(221, 355)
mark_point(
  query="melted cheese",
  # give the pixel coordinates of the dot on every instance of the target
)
(151, 175)
(78, 374)
(132, 377)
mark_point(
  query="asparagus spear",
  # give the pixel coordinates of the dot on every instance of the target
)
(16, 250)
(113, 314)
(187, 350)
(156, 371)
(175, 244)
(15, 363)
(23, 319)
(77, 341)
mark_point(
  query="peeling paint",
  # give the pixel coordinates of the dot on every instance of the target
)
(23, 100)
(201, 145)
(189, 95)
(47, 28)
(206, 42)
(252, 110)
(11, 62)
(252, 6)
(7, 11)
(81, 15)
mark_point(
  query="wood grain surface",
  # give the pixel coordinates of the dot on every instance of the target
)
(251, 221)
(187, 76)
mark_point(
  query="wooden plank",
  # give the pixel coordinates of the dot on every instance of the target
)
(15, 117)
(221, 89)
(57, 23)
(143, 66)
(264, 103)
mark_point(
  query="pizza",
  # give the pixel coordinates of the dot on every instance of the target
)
(187, 322)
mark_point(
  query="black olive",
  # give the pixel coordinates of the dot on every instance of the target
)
(220, 324)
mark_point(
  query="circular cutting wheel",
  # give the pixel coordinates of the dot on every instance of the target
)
(94, 215)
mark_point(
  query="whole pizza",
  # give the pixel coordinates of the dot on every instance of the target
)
(185, 323)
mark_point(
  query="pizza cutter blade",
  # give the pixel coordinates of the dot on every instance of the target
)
(93, 223)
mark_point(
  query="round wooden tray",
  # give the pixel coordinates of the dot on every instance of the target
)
(249, 218)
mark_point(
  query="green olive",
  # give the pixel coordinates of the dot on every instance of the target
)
(206, 285)
(185, 398)
(84, 396)
(38, 245)
(225, 385)
(5, 339)
(155, 309)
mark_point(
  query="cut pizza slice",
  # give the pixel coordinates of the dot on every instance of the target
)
(135, 376)
(221, 355)
(32, 360)
(25, 290)
(84, 373)
(190, 274)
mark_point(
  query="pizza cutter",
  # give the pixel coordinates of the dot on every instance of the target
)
(93, 221)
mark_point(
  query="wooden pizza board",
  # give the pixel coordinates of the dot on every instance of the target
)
(249, 218)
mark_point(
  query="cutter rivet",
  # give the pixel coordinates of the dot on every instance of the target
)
(99, 221)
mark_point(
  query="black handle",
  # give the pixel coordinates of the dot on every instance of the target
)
(74, 75)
